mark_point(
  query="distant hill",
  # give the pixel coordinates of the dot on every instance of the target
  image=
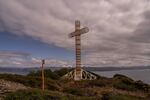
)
(24, 71)
(116, 68)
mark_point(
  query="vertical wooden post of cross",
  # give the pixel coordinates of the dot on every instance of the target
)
(77, 34)
(43, 80)
(78, 50)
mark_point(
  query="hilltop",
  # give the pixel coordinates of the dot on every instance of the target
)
(119, 87)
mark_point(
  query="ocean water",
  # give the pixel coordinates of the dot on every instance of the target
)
(143, 75)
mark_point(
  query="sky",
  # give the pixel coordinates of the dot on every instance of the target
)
(31, 30)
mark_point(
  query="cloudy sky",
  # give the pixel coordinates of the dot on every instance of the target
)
(31, 30)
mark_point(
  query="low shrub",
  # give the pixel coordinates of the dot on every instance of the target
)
(62, 71)
(31, 81)
(101, 82)
(111, 96)
(47, 73)
(74, 91)
(35, 94)
(125, 83)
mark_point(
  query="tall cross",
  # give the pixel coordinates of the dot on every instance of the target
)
(77, 34)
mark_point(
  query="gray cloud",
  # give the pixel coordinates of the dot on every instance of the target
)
(119, 30)
(142, 32)
(13, 54)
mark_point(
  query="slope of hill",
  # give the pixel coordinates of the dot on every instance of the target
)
(9, 86)
(117, 88)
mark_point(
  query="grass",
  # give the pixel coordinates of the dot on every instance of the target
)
(31, 81)
(111, 96)
(37, 94)
(125, 83)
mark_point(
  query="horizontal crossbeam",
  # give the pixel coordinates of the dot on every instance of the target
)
(79, 32)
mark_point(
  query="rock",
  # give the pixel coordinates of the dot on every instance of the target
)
(8, 87)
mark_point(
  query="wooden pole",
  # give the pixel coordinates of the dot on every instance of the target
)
(43, 86)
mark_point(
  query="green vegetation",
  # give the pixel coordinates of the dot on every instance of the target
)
(74, 91)
(50, 74)
(57, 88)
(111, 96)
(125, 83)
(30, 81)
(36, 94)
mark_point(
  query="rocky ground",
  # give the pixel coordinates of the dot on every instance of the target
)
(8, 87)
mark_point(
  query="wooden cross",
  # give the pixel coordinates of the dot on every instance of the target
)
(77, 34)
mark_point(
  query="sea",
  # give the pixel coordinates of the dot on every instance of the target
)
(143, 75)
